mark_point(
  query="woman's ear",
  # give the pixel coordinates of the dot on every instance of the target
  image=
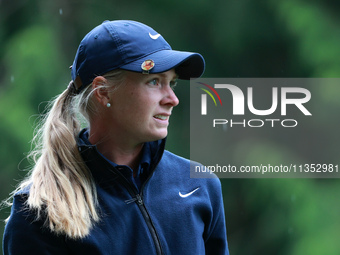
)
(101, 91)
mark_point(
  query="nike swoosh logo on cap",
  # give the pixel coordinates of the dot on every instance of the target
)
(154, 36)
(188, 194)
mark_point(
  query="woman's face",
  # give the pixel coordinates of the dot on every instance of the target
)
(141, 107)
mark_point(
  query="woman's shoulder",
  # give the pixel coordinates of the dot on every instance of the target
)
(181, 166)
(21, 213)
(173, 158)
(20, 209)
(27, 228)
(22, 192)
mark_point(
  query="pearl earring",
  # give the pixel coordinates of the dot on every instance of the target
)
(108, 105)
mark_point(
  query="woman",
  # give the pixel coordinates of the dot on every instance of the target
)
(111, 188)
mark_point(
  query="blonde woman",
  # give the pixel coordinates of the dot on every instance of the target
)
(112, 188)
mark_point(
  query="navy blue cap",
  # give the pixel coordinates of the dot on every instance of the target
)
(129, 45)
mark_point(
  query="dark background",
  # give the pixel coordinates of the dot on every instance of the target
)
(238, 38)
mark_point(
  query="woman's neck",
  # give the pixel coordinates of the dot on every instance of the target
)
(118, 152)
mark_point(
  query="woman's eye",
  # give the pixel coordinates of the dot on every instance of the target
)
(154, 82)
(173, 84)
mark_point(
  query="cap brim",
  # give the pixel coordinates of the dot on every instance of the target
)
(187, 64)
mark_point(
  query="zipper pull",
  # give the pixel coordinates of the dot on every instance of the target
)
(129, 201)
(138, 198)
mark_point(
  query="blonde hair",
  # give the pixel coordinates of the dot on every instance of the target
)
(61, 187)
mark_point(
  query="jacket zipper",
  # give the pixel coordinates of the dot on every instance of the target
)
(150, 224)
(137, 198)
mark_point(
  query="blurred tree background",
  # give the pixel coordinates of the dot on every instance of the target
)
(238, 38)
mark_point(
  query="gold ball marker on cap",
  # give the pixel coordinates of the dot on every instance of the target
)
(147, 65)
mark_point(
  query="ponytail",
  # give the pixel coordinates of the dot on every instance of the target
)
(61, 186)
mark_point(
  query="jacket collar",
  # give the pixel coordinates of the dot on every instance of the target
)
(101, 169)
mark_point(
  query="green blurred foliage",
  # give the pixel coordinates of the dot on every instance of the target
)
(238, 38)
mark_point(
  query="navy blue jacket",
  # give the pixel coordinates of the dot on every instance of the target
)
(171, 213)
